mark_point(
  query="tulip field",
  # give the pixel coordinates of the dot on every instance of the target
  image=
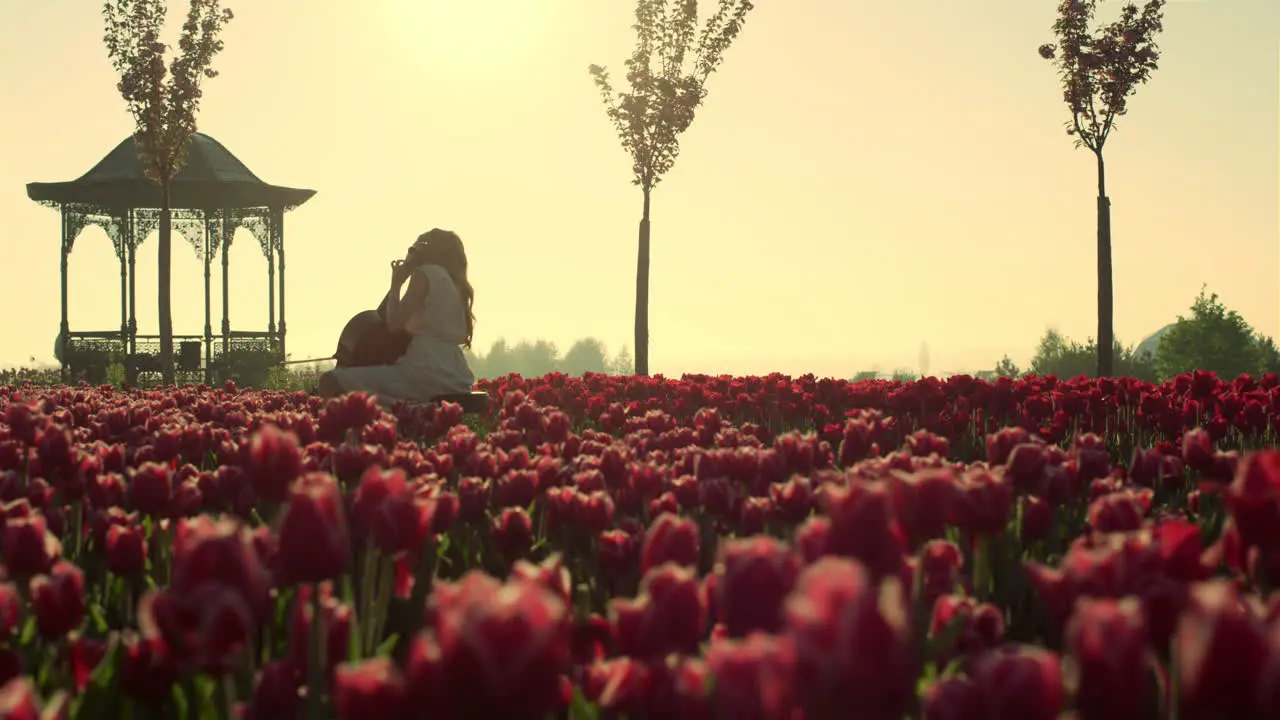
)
(757, 548)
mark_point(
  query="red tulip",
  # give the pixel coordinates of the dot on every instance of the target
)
(313, 542)
(922, 502)
(512, 533)
(217, 597)
(28, 547)
(939, 566)
(670, 538)
(592, 636)
(1107, 643)
(753, 677)
(984, 504)
(57, 600)
(126, 550)
(403, 521)
(10, 609)
(473, 499)
(273, 462)
(981, 625)
(1037, 519)
(1001, 445)
(1115, 512)
(147, 670)
(792, 499)
(550, 573)
(83, 657)
(1221, 648)
(276, 693)
(503, 650)
(1254, 499)
(863, 527)
(19, 700)
(337, 626)
(372, 688)
(592, 512)
(668, 616)
(151, 489)
(1025, 466)
(1020, 683)
(517, 488)
(954, 698)
(754, 577)
(853, 642)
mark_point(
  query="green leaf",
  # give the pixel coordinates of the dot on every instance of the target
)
(206, 689)
(353, 631)
(101, 697)
(99, 622)
(582, 709)
(181, 708)
(28, 631)
(936, 645)
(388, 646)
(953, 668)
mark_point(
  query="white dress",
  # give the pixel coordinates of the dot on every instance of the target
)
(434, 364)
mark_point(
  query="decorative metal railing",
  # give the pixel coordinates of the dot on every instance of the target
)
(242, 355)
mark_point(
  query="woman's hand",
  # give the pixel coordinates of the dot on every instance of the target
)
(399, 272)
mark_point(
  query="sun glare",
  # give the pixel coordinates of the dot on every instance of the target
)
(469, 32)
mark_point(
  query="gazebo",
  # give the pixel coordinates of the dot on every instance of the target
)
(210, 197)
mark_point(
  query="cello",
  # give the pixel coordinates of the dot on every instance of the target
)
(366, 340)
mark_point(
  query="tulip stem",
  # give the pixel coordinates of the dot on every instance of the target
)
(317, 662)
(227, 696)
(368, 586)
(422, 582)
(982, 567)
(77, 528)
(386, 587)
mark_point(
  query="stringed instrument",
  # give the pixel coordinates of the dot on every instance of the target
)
(365, 341)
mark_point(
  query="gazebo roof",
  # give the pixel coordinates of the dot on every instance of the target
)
(211, 179)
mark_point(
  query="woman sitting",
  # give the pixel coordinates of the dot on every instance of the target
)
(436, 313)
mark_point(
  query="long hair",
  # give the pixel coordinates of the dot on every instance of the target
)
(444, 248)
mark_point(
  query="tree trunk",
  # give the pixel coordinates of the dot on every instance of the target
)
(1106, 333)
(163, 271)
(642, 293)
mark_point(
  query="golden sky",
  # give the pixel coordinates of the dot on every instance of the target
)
(865, 176)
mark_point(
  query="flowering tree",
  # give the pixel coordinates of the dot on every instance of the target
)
(1099, 71)
(163, 102)
(667, 74)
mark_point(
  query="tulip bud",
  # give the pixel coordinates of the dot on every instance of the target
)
(313, 542)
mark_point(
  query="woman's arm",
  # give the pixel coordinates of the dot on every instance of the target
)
(398, 313)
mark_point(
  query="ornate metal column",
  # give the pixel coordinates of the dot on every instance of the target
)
(228, 234)
(121, 241)
(64, 328)
(277, 237)
(133, 277)
(131, 236)
(210, 230)
(269, 249)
